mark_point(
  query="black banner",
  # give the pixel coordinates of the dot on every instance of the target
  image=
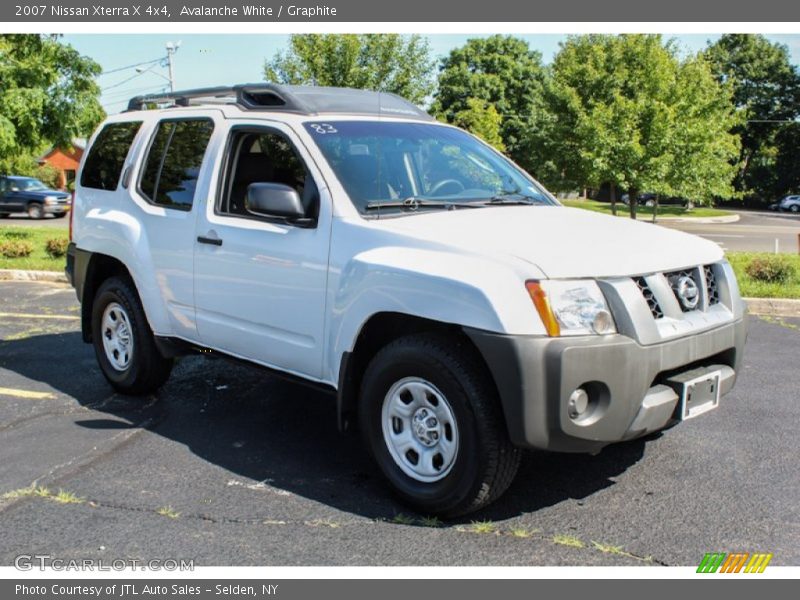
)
(156, 589)
(189, 11)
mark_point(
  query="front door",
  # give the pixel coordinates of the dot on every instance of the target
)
(260, 282)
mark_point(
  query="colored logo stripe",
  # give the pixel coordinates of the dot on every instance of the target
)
(711, 562)
(758, 563)
(734, 562)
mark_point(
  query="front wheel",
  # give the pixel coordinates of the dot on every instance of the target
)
(430, 415)
(794, 208)
(35, 210)
(123, 342)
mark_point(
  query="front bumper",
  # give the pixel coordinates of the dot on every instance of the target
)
(536, 375)
(56, 209)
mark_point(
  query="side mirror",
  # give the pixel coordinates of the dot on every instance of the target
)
(274, 200)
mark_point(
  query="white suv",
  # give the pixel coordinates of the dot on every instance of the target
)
(454, 309)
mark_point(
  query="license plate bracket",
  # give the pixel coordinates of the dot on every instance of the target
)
(699, 394)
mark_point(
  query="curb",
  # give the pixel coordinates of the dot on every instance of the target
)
(698, 220)
(22, 275)
(773, 307)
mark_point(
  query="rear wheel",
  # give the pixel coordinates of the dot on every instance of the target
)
(123, 341)
(35, 210)
(430, 415)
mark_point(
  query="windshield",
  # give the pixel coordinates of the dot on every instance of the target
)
(28, 184)
(391, 165)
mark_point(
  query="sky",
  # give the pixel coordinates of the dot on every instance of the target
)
(204, 60)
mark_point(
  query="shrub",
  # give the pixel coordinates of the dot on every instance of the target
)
(15, 249)
(773, 269)
(16, 234)
(56, 247)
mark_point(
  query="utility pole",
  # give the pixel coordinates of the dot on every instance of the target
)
(171, 50)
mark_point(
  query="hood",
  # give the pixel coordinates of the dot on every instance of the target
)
(562, 242)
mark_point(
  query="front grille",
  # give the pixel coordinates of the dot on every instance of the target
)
(652, 302)
(711, 285)
(673, 278)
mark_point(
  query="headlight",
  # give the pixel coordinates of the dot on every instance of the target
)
(50, 200)
(575, 307)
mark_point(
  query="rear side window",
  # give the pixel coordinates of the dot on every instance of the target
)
(103, 165)
(173, 162)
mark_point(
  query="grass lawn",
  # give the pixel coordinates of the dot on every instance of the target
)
(36, 237)
(752, 288)
(646, 211)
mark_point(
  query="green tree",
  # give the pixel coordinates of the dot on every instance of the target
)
(382, 62)
(48, 95)
(482, 119)
(766, 90)
(704, 147)
(626, 111)
(502, 71)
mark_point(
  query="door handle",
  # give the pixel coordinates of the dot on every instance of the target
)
(208, 240)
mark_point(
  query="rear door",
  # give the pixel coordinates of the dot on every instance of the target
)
(3, 195)
(10, 197)
(168, 186)
(260, 282)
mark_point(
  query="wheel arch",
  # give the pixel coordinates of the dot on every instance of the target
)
(99, 268)
(379, 330)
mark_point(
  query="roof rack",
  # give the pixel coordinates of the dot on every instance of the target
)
(305, 100)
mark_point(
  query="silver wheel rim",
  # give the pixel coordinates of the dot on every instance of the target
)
(419, 429)
(117, 335)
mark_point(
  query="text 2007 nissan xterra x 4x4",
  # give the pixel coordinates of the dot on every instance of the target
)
(458, 312)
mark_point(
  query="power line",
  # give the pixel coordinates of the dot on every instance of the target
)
(123, 82)
(117, 70)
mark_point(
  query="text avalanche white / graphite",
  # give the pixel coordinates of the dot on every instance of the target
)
(258, 10)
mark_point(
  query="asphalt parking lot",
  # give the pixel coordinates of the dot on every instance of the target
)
(231, 467)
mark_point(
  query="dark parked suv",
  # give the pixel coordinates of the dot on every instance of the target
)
(29, 195)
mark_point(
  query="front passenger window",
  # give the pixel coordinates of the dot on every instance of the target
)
(265, 157)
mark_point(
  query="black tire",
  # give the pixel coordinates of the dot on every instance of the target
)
(485, 463)
(35, 210)
(147, 369)
(4, 215)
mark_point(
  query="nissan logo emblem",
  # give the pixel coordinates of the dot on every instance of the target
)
(687, 292)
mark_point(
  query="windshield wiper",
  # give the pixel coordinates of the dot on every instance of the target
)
(413, 204)
(514, 198)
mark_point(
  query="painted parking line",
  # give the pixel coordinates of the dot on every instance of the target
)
(4, 315)
(27, 394)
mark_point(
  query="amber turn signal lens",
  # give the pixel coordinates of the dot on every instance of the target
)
(542, 304)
